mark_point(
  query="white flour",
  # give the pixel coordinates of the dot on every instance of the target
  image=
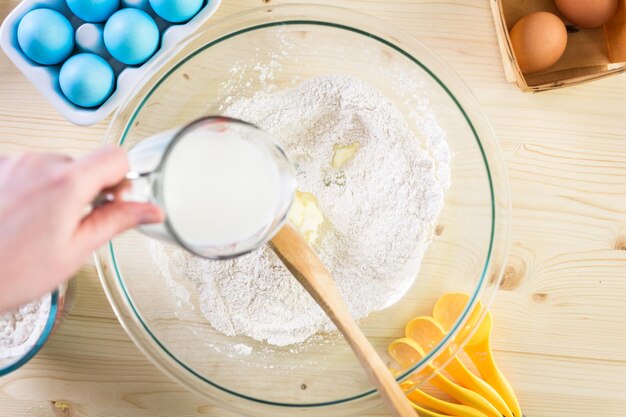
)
(20, 329)
(380, 209)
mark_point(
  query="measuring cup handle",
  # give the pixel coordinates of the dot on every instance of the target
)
(129, 187)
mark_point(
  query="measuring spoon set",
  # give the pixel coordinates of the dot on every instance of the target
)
(489, 395)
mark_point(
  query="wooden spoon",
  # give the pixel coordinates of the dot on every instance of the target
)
(305, 265)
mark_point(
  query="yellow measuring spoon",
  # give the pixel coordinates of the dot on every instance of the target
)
(447, 309)
(420, 397)
(408, 352)
(427, 413)
(427, 332)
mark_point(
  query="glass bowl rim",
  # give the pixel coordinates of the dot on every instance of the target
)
(445, 342)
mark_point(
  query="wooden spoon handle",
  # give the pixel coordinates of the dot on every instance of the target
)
(305, 265)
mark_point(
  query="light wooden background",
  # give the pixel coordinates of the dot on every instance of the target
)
(560, 326)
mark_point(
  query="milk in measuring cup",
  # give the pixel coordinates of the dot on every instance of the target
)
(219, 191)
(222, 194)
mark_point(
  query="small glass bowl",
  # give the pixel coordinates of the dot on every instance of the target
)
(61, 303)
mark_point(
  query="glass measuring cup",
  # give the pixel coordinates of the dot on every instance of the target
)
(149, 168)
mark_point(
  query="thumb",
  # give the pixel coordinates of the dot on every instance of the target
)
(108, 220)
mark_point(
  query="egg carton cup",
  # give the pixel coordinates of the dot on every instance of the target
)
(46, 78)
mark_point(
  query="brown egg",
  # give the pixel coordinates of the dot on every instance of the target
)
(587, 14)
(538, 41)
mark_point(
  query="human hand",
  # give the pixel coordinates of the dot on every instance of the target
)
(45, 230)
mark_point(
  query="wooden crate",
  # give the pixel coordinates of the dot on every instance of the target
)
(590, 53)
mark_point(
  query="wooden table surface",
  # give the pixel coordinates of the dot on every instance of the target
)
(560, 332)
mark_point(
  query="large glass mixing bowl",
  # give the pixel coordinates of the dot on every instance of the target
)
(278, 47)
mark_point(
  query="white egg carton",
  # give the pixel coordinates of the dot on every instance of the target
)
(45, 78)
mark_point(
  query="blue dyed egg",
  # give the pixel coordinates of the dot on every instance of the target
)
(86, 80)
(45, 36)
(131, 36)
(176, 11)
(93, 10)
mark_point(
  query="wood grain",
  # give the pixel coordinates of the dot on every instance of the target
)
(559, 334)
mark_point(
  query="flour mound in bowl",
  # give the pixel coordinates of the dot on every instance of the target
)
(21, 328)
(379, 204)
